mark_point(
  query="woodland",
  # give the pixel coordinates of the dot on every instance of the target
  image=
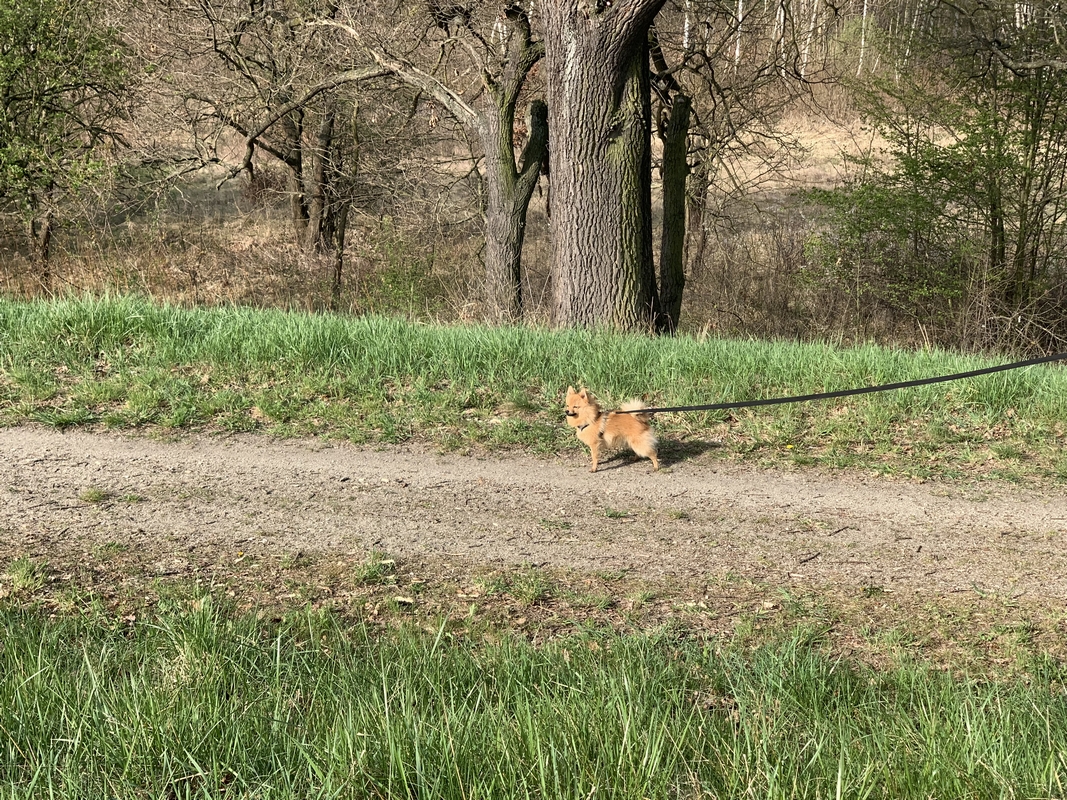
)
(854, 170)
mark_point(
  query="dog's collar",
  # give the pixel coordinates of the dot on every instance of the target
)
(602, 419)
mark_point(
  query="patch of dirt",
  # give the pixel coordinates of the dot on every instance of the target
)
(115, 508)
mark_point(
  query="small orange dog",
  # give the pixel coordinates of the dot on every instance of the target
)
(594, 426)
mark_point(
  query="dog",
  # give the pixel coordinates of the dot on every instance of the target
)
(593, 426)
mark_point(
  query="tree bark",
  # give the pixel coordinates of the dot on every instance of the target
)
(598, 95)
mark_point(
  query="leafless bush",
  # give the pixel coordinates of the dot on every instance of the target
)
(766, 277)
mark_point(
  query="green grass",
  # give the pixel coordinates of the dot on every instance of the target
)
(194, 701)
(26, 575)
(94, 495)
(125, 362)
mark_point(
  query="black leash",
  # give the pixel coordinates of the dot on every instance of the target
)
(804, 398)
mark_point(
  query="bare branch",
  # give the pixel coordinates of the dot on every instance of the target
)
(411, 75)
(341, 78)
(1017, 67)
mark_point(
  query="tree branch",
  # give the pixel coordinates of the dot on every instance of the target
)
(253, 135)
(412, 75)
(1018, 67)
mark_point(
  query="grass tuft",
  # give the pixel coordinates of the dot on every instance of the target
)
(94, 495)
(27, 575)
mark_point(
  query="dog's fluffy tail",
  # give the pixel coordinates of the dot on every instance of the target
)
(636, 405)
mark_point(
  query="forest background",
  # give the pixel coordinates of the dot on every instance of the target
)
(804, 169)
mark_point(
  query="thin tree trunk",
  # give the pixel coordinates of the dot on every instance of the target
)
(672, 242)
(39, 234)
(340, 232)
(292, 135)
(807, 39)
(737, 43)
(508, 193)
(317, 186)
(696, 207)
(863, 39)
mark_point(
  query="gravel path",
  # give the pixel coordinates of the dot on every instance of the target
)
(202, 497)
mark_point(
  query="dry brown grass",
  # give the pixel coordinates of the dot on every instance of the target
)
(760, 275)
(237, 248)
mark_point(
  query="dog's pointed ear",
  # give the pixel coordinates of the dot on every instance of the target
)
(583, 394)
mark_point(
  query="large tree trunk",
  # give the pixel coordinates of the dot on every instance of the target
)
(598, 96)
(340, 203)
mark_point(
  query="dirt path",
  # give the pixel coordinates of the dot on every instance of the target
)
(201, 499)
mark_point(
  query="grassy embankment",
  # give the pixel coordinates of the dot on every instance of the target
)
(127, 363)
